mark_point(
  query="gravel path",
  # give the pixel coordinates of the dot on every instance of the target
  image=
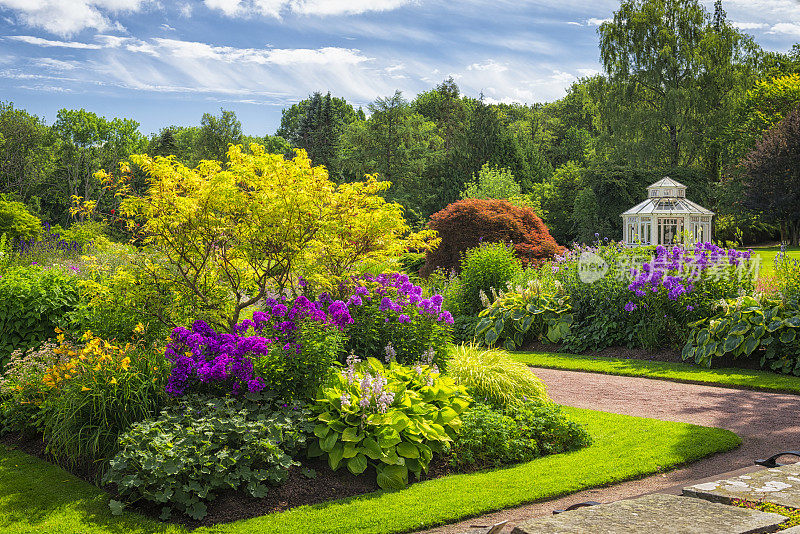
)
(766, 422)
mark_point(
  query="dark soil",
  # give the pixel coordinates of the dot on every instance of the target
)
(298, 490)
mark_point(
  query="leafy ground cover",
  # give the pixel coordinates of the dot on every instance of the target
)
(678, 372)
(36, 496)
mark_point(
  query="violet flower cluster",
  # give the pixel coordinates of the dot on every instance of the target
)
(397, 294)
(676, 269)
(204, 357)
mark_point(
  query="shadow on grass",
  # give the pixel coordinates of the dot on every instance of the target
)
(37, 495)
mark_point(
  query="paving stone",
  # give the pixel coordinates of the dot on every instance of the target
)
(793, 530)
(656, 513)
(779, 485)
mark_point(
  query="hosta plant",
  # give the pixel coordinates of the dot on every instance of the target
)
(520, 316)
(744, 326)
(393, 417)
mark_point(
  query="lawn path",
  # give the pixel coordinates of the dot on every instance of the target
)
(766, 422)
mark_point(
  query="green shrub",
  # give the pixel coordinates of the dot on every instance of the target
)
(33, 301)
(298, 376)
(87, 233)
(392, 417)
(745, 327)
(204, 445)
(493, 437)
(17, 222)
(96, 392)
(411, 262)
(491, 374)
(516, 318)
(487, 267)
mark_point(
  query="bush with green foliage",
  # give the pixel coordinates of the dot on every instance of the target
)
(483, 268)
(744, 327)
(182, 458)
(298, 376)
(33, 301)
(393, 417)
(493, 436)
(17, 222)
(524, 315)
(491, 374)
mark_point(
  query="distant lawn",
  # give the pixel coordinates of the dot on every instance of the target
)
(678, 372)
(767, 255)
(37, 497)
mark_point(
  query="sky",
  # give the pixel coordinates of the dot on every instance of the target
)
(166, 62)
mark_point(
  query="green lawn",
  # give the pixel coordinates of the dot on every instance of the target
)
(767, 255)
(36, 497)
(678, 372)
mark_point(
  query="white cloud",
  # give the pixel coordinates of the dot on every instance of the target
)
(488, 65)
(344, 7)
(38, 41)
(55, 64)
(575, 23)
(596, 22)
(68, 17)
(274, 8)
(186, 10)
(167, 27)
(788, 28)
(750, 25)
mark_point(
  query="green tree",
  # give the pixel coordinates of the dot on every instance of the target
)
(316, 125)
(399, 145)
(27, 152)
(672, 68)
(217, 133)
(772, 176)
(87, 143)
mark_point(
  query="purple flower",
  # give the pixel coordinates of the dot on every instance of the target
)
(403, 318)
(630, 306)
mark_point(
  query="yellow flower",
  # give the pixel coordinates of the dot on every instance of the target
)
(113, 380)
(139, 329)
(97, 367)
(58, 330)
(84, 388)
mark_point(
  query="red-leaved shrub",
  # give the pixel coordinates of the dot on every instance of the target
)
(465, 224)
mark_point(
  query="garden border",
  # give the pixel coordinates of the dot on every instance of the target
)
(624, 446)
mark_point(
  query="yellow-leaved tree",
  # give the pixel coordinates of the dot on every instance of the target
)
(222, 238)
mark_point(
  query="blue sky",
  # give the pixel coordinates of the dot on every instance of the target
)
(165, 62)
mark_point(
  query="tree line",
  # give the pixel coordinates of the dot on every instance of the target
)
(683, 93)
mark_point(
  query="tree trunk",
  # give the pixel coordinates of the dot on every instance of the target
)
(784, 236)
(796, 233)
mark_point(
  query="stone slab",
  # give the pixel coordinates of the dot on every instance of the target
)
(655, 514)
(779, 485)
(793, 530)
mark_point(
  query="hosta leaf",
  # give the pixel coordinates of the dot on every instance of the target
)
(371, 448)
(793, 321)
(750, 344)
(740, 328)
(731, 342)
(327, 443)
(491, 336)
(335, 456)
(407, 450)
(788, 335)
(351, 434)
(392, 477)
(774, 325)
(357, 464)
